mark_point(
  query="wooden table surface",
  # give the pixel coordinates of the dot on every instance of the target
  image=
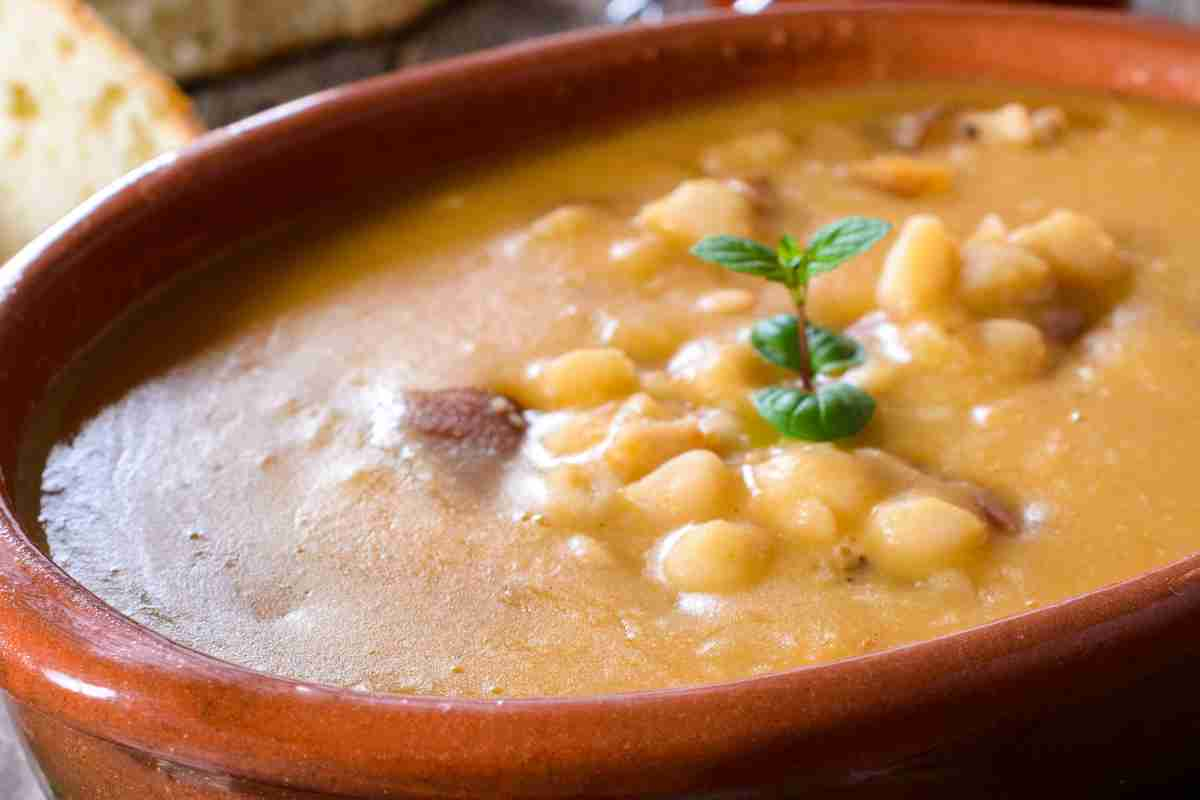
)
(460, 26)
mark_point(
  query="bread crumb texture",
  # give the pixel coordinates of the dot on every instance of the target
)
(78, 108)
(193, 38)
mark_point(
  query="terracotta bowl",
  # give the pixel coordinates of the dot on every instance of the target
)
(111, 710)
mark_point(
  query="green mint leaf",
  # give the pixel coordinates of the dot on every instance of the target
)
(775, 340)
(834, 411)
(790, 254)
(845, 409)
(840, 241)
(741, 255)
(832, 353)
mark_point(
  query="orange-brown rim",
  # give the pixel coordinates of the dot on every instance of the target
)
(64, 652)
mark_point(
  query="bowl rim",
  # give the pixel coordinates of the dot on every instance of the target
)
(45, 644)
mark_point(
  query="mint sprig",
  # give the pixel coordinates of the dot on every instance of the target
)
(833, 411)
(790, 264)
(840, 241)
(830, 353)
(742, 255)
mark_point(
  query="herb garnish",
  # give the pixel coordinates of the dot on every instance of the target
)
(833, 410)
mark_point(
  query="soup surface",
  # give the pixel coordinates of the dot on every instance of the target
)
(247, 466)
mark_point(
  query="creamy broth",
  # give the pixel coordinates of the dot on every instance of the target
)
(233, 466)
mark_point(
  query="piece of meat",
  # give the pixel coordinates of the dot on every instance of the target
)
(759, 191)
(475, 417)
(1062, 325)
(998, 514)
(980, 500)
(904, 176)
(911, 129)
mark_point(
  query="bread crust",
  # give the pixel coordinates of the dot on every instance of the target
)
(79, 107)
(199, 38)
(182, 117)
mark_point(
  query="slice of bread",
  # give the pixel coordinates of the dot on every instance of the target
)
(194, 38)
(78, 108)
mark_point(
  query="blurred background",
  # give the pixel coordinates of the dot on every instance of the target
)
(460, 26)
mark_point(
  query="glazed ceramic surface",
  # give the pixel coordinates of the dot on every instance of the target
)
(115, 711)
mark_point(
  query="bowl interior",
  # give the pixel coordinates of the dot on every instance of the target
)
(350, 144)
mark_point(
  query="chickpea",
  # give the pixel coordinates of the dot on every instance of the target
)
(693, 487)
(575, 496)
(643, 340)
(582, 378)
(1012, 347)
(1080, 251)
(577, 432)
(721, 374)
(646, 406)
(1048, 124)
(904, 176)
(920, 270)
(697, 209)
(717, 556)
(913, 536)
(1010, 124)
(838, 479)
(751, 156)
(638, 445)
(990, 229)
(590, 552)
(565, 223)
(726, 301)
(932, 347)
(558, 235)
(641, 257)
(799, 520)
(998, 277)
(723, 430)
(875, 377)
